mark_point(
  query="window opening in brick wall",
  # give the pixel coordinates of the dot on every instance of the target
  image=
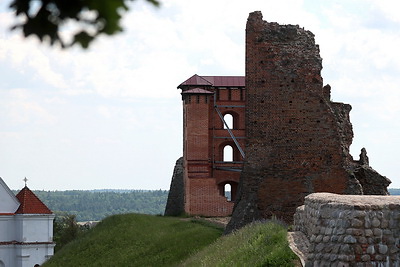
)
(228, 153)
(227, 191)
(228, 118)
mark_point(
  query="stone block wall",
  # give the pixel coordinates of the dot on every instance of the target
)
(350, 230)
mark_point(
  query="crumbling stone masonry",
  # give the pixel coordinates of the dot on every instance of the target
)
(348, 230)
(297, 139)
(175, 203)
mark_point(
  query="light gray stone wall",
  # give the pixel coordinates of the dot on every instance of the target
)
(350, 230)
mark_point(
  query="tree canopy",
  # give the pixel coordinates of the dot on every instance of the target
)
(46, 19)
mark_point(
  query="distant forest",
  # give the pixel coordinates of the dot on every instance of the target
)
(95, 205)
(394, 191)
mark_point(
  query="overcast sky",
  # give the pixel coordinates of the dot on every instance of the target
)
(111, 117)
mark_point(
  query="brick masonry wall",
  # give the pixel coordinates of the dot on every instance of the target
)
(206, 200)
(297, 139)
(345, 230)
(203, 185)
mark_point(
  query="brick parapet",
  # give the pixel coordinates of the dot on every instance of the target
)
(350, 230)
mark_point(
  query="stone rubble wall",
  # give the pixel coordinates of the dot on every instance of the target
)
(350, 230)
(176, 199)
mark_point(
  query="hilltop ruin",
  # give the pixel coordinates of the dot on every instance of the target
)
(287, 137)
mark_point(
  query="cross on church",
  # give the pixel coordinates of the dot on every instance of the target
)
(25, 180)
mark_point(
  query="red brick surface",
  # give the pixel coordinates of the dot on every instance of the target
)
(204, 141)
(297, 139)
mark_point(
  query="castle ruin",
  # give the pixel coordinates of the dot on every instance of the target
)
(288, 139)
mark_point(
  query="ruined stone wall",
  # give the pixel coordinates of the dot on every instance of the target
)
(176, 199)
(352, 230)
(297, 138)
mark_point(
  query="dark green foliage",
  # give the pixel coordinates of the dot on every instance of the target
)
(136, 240)
(46, 18)
(66, 229)
(96, 205)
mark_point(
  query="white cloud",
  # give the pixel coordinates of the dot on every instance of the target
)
(120, 97)
(19, 107)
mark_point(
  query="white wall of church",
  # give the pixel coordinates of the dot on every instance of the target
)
(7, 228)
(29, 255)
(34, 227)
(8, 202)
(7, 255)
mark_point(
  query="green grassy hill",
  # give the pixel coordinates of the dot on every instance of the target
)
(148, 240)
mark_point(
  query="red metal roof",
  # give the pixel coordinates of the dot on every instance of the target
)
(232, 81)
(197, 91)
(222, 81)
(30, 203)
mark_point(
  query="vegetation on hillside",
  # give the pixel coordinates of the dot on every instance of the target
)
(96, 205)
(147, 240)
(66, 229)
(136, 240)
(257, 244)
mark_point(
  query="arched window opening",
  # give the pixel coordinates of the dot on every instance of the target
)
(228, 118)
(228, 191)
(228, 153)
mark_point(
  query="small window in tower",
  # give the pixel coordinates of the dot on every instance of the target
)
(198, 99)
(228, 153)
(227, 192)
(228, 118)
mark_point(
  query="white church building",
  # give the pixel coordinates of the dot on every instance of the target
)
(26, 228)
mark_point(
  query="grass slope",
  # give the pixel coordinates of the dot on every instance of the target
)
(146, 240)
(136, 240)
(257, 244)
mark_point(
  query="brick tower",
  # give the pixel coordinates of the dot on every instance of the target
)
(213, 138)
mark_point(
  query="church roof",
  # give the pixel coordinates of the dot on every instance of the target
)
(30, 203)
(222, 81)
